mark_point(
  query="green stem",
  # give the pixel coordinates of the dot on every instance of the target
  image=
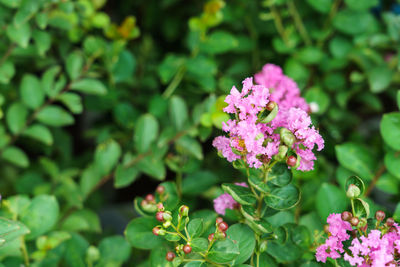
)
(352, 207)
(24, 251)
(299, 22)
(331, 15)
(279, 25)
(179, 183)
(175, 82)
(178, 232)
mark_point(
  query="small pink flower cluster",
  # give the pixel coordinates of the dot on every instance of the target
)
(225, 201)
(376, 249)
(258, 142)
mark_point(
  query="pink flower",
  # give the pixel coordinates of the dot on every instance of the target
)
(225, 201)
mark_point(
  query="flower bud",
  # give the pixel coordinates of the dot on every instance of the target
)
(150, 198)
(220, 235)
(270, 106)
(170, 256)
(167, 216)
(92, 254)
(160, 189)
(380, 215)
(291, 161)
(167, 224)
(389, 221)
(353, 191)
(346, 216)
(219, 220)
(184, 210)
(287, 137)
(263, 245)
(354, 221)
(178, 248)
(160, 216)
(326, 229)
(393, 229)
(211, 237)
(282, 150)
(160, 207)
(187, 249)
(156, 230)
(223, 226)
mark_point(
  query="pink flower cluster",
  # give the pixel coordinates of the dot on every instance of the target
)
(376, 249)
(258, 142)
(225, 201)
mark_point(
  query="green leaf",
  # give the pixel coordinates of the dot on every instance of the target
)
(189, 146)
(195, 228)
(258, 183)
(90, 177)
(25, 11)
(390, 129)
(157, 258)
(388, 183)
(107, 155)
(219, 42)
(361, 4)
(55, 116)
(318, 100)
(146, 132)
(74, 66)
(361, 208)
(330, 199)
(356, 158)
(268, 116)
(398, 99)
(124, 68)
(72, 101)
(241, 194)
(40, 133)
(323, 6)
(41, 215)
(199, 244)
(82, 220)
(16, 117)
(139, 233)
(153, 166)
(48, 80)
(224, 251)
(357, 181)
(7, 71)
(75, 251)
(178, 112)
(31, 92)
(280, 175)
(19, 34)
(282, 198)
(340, 47)
(284, 252)
(169, 67)
(171, 195)
(11, 3)
(15, 156)
(379, 78)
(114, 250)
(198, 182)
(11, 230)
(244, 238)
(354, 22)
(392, 162)
(88, 86)
(310, 55)
(125, 176)
(42, 41)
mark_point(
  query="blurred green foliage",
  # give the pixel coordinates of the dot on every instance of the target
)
(93, 91)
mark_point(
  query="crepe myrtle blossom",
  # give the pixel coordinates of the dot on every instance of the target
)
(256, 141)
(380, 247)
(226, 201)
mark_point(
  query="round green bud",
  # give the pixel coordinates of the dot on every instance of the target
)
(353, 191)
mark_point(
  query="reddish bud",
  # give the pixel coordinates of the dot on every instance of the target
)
(160, 216)
(354, 221)
(219, 220)
(270, 106)
(156, 230)
(187, 249)
(223, 234)
(393, 229)
(150, 198)
(210, 237)
(184, 210)
(170, 256)
(160, 189)
(144, 203)
(346, 216)
(291, 161)
(380, 215)
(223, 226)
(160, 206)
(326, 228)
(389, 221)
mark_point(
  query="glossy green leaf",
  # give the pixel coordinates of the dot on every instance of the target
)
(356, 158)
(114, 250)
(361, 208)
(241, 194)
(15, 156)
(199, 244)
(195, 228)
(19, 34)
(55, 116)
(245, 239)
(31, 92)
(224, 251)
(42, 41)
(379, 78)
(16, 117)
(139, 233)
(282, 198)
(72, 101)
(392, 162)
(280, 175)
(171, 195)
(41, 215)
(258, 183)
(74, 65)
(11, 230)
(390, 129)
(361, 4)
(107, 155)
(82, 220)
(178, 112)
(189, 145)
(40, 133)
(353, 22)
(146, 132)
(322, 6)
(219, 42)
(124, 176)
(7, 71)
(198, 182)
(153, 166)
(330, 199)
(88, 86)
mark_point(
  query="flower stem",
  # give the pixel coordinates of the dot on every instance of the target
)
(299, 22)
(24, 251)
